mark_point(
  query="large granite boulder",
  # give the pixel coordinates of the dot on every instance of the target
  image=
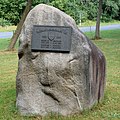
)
(63, 83)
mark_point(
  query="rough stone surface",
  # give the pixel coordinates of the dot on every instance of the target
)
(63, 83)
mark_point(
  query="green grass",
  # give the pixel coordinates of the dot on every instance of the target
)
(7, 28)
(4, 44)
(93, 23)
(108, 109)
(109, 34)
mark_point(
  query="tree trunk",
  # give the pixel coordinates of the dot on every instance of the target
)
(97, 31)
(19, 26)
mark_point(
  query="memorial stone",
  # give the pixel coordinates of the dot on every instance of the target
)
(60, 70)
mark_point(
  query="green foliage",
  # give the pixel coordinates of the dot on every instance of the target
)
(4, 22)
(111, 10)
(12, 10)
(68, 6)
(91, 10)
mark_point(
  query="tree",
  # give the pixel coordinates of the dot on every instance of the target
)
(97, 31)
(19, 26)
(11, 10)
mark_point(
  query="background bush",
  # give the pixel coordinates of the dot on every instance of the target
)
(4, 22)
(11, 10)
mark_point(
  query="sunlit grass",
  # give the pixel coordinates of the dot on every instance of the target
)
(108, 109)
(4, 44)
(109, 34)
(7, 28)
(93, 23)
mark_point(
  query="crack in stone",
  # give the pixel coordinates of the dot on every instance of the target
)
(51, 94)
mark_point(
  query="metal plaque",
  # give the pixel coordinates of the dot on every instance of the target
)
(51, 38)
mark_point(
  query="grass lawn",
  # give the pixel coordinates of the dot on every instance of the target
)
(7, 28)
(4, 44)
(93, 23)
(108, 109)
